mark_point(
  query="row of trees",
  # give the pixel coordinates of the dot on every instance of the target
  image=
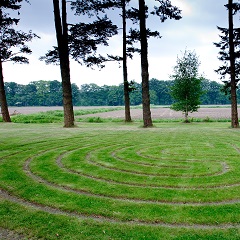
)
(49, 93)
(80, 41)
(72, 42)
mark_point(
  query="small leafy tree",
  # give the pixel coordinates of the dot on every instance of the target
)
(187, 87)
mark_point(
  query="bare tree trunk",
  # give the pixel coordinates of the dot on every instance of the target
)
(186, 116)
(125, 74)
(234, 110)
(147, 120)
(3, 99)
(186, 111)
(62, 39)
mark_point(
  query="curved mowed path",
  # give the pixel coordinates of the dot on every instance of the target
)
(174, 181)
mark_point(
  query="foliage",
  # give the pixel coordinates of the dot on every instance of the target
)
(225, 71)
(163, 9)
(37, 93)
(85, 37)
(13, 42)
(49, 93)
(187, 88)
(213, 93)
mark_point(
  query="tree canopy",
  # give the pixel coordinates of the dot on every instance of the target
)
(187, 87)
(49, 93)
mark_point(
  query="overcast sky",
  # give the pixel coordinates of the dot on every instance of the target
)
(195, 31)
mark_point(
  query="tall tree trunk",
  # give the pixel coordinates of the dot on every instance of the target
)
(234, 110)
(62, 40)
(147, 120)
(186, 117)
(3, 99)
(125, 74)
(186, 111)
(186, 114)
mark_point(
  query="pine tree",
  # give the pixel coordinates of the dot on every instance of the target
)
(125, 72)
(164, 10)
(147, 120)
(230, 54)
(62, 40)
(10, 40)
(78, 41)
(94, 7)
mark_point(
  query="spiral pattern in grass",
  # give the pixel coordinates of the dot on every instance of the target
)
(179, 177)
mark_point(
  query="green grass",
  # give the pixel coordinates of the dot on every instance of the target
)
(111, 180)
(56, 116)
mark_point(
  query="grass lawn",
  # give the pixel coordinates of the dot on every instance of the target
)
(112, 180)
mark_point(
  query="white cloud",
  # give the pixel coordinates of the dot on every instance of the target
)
(185, 6)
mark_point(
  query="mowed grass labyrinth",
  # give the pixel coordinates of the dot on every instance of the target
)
(120, 181)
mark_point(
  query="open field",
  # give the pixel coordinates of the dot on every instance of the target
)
(120, 181)
(30, 110)
(212, 112)
(167, 113)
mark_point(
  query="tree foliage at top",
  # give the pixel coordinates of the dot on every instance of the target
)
(93, 7)
(187, 87)
(10, 37)
(225, 71)
(163, 9)
(85, 37)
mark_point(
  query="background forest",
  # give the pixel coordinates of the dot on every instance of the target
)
(49, 93)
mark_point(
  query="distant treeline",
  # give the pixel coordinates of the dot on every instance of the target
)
(49, 93)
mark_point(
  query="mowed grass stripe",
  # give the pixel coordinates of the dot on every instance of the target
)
(106, 158)
(159, 156)
(48, 169)
(100, 219)
(115, 174)
(66, 227)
